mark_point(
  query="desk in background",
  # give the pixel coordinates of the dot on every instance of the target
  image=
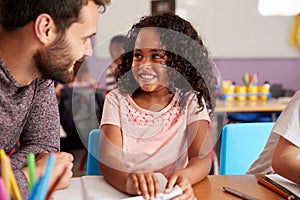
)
(272, 105)
(209, 188)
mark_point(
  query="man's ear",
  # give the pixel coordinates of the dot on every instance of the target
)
(45, 29)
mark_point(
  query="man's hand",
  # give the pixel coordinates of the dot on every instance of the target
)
(62, 169)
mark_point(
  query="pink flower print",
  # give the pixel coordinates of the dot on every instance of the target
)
(166, 116)
(134, 114)
(131, 116)
(148, 123)
(167, 124)
(158, 121)
(172, 117)
(140, 120)
(173, 110)
(149, 118)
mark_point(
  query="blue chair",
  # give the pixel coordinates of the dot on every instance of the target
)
(241, 145)
(92, 167)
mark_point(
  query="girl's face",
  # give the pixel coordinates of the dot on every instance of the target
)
(148, 65)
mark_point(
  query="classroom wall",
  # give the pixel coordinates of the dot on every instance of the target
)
(230, 28)
(239, 39)
(282, 71)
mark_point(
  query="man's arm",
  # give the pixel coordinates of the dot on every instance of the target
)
(286, 160)
(40, 134)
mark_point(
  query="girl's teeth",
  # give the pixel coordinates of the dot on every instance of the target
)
(147, 76)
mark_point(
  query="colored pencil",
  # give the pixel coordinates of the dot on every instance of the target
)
(3, 194)
(56, 182)
(46, 178)
(31, 169)
(5, 163)
(14, 185)
(274, 188)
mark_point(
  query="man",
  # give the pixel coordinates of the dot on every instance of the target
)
(282, 151)
(39, 41)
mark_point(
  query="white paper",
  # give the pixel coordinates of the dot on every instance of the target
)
(74, 191)
(291, 186)
(96, 188)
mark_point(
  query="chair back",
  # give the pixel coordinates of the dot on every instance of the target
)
(92, 167)
(241, 145)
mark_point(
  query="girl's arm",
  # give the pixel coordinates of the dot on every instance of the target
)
(199, 152)
(115, 173)
(111, 157)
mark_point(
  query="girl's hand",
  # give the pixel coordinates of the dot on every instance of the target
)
(184, 184)
(143, 183)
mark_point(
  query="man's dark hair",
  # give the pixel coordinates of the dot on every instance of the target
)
(15, 14)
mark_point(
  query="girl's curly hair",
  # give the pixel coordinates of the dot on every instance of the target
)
(187, 56)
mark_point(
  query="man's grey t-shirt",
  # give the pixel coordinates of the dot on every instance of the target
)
(28, 114)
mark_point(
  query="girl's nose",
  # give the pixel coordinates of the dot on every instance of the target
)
(146, 66)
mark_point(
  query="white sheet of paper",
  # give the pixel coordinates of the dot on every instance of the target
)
(74, 191)
(96, 188)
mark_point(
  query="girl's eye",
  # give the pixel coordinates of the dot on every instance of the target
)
(157, 56)
(137, 55)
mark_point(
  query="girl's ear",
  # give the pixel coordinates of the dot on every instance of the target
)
(45, 29)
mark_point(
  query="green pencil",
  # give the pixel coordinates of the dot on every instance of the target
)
(31, 168)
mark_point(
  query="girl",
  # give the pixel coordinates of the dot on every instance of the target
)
(156, 120)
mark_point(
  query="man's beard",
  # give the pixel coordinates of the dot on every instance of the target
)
(55, 61)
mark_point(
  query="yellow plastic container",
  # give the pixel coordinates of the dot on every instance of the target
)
(252, 93)
(228, 92)
(240, 92)
(263, 90)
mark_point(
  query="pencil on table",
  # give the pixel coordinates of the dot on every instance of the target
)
(274, 188)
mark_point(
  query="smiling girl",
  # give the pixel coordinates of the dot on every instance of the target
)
(157, 118)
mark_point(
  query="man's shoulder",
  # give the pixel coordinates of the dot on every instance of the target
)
(44, 83)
